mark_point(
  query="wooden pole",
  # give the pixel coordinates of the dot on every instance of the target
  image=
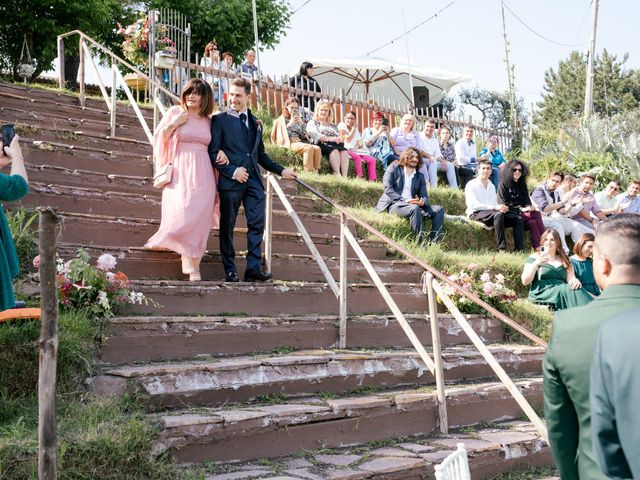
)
(437, 356)
(47, 443)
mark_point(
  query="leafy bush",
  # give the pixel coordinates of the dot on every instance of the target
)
(22, 224)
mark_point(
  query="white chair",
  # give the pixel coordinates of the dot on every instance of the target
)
(455, 466)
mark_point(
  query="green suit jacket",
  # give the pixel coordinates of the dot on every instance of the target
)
(565, 370)
(615, 396)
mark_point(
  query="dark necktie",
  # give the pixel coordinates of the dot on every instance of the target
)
(245, 129)
(470, 142)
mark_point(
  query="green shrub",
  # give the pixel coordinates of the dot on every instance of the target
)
(23, 225)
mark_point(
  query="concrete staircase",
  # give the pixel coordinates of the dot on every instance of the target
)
(232, 373)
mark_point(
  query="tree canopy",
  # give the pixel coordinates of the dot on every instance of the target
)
(495, 107)
(615, 89)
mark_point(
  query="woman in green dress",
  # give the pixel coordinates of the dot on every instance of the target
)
(582, 262)
(551, 276)
(12, 187)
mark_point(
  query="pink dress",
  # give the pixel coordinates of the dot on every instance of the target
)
(189, 201)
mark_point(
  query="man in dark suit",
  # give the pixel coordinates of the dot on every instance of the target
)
(566, 363)
(237, 133)
(405, 194)
(615, 371)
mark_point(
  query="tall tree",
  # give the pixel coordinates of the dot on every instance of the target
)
(230, 22)
(43, 20)
(495, 107)
(615, 89)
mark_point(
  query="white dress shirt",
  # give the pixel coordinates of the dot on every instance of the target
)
(465, 152)
(430, 145)
(478, 197)
(406, 190)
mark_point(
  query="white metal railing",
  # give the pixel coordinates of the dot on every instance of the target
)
(455, 466)
(117, 80)
(431, 287)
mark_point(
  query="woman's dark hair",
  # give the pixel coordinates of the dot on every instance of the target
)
(507, 173)
(579, 246)
(289, 101)
(203, 89)
(304, 67)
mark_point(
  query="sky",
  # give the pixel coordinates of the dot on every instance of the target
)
(467, 37)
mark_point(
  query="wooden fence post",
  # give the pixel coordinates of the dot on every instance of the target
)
(47, 442)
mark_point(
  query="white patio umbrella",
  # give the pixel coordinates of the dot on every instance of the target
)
(371, 76)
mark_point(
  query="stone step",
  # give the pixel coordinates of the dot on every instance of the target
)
(91, 229)
(142, 264)
(45, 118)
(252, 432)
(502, 448)
(117, 204)
(270, 298)
(139, 339)
(248, 379)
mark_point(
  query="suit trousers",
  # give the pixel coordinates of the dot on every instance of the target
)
(253, 198)
(499, 220)
(416, 218)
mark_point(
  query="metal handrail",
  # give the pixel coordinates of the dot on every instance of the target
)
(431, 287)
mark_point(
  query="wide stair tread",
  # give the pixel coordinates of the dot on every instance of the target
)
(138, 339)
(255, 431)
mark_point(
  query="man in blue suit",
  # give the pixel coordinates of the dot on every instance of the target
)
(405, 194)
(240, 136)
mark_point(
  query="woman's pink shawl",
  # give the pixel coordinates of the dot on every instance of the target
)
(165, 148)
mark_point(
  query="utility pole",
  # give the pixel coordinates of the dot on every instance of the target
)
(406, 46)
(588, 93)
(257, 40)
(510, 74)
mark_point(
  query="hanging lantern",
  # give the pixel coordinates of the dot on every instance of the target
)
(25, 68)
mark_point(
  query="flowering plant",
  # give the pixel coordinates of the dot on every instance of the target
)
(81, 284)
(488, 287)
(135, 45)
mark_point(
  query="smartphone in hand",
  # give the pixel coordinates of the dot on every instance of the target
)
(8, 132)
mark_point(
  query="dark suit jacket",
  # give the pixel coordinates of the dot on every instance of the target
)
(565, 370)
(227, 135)
(393, 183)
(615, 392)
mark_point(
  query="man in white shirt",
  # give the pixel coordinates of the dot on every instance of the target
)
(405, 194)
(606, 199)
(482, 206)
(466, 156)
(434, 160)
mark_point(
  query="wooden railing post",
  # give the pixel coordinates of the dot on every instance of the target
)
(343, 282)
(62, 83)
(47, 442)
(437, 356)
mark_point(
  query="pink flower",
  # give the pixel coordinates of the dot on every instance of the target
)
(106, 262)
(488, 288)
(473, 267)
(36, 261)
(485, 277)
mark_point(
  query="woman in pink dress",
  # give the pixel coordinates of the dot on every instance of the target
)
(190, 201)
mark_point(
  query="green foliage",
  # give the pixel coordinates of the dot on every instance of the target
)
(495, 107)
(230, 22)
(22, 225)
(615, 89)
(43, 20)
(535, 318)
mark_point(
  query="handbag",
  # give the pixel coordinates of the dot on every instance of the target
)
(163, 176)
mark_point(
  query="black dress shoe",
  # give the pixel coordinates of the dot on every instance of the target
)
(232, 277)
(257, 276)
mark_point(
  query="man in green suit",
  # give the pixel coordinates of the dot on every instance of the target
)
(567, 361)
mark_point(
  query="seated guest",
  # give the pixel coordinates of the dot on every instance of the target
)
(353, 141)
(629, 202)
(289, 131)
(406, 135)
(448, 149)
(248, 68)
(482, 206)
(590, 214)
(606, 199)
(582, 262)
(551, 276)
(211, 59)
(568, 184)
(555, 212)
(433, 160)
(491, 153)
(405, 194)
(513, 193)
(466, 156)
(12, 187)
(325, 134)
(378, 141)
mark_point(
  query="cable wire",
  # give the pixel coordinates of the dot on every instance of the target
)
(414, 28)
(540, 35)
(586, 14)
(300, 7)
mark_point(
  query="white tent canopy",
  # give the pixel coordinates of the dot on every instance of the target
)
(371, 76)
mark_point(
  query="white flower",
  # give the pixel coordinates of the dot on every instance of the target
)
(136, 297)
(485, 277)
(500, 278)
(106, 262)
(103, 301)
(110, 276)
(60, 266)
(67, 267)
